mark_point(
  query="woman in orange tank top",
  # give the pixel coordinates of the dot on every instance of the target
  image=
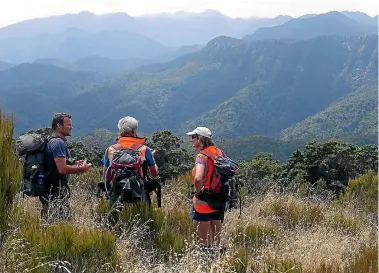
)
(208, 220)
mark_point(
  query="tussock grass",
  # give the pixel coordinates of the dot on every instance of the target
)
(273, 266)
(239, 261)
(291, 212)
(253, 236)
(276, 233)
(80, 248)
(366, 260)
(344, 223)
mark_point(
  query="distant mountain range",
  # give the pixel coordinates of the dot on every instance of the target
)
(308, 27)
(302, 78)
(167, 29)
(109, 66)
(238, 88)
(142, 40)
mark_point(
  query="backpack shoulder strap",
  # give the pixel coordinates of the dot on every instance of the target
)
(211, 156)
(137, 146)
(207, 154)
(47, 170)
(116, 147)
(51, 137)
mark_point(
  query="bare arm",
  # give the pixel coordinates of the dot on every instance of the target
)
(105, 170)
(63, 168)
(198, 180)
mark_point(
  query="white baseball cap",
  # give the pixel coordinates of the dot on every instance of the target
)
(201, 131)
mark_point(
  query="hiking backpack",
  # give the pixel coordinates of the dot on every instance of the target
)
(223, 189)
(31, 148)
(127, 174)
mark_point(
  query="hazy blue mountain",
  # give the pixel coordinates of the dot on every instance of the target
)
(97, 63)
(189, 28)
(33, 92)
(57, 63)
(332, 23)
(108, 65)
(73, 44)
(85, 21)
(168, 29)
(25, 75)
(237, 88)
(4, 65)
(361, 17)
(305, 16)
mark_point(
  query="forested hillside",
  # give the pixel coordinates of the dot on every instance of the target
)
(238, 88)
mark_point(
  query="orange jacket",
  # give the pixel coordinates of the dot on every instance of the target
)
(200, 205)
(128, 143)
(135, 143)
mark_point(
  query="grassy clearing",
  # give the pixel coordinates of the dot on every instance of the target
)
(276, 233)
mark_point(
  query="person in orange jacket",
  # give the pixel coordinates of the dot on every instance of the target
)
(209, 221)
(128, 139)
(127, 128)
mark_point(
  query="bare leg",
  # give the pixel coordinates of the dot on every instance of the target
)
(216, 232)
(204, 231)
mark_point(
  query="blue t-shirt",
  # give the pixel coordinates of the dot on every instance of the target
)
(56, 147)
(149, 158)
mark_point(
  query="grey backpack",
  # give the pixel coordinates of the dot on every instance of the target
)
(31, 149)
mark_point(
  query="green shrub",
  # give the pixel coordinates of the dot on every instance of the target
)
(364, 190)
(10, 173)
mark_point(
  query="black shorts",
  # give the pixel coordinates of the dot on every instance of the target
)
(205, 217)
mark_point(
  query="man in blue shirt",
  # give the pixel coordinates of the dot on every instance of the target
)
(57, 160)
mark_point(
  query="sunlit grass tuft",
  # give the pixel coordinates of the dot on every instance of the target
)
(291, 212)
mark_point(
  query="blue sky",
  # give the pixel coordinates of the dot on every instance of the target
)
(18, 10)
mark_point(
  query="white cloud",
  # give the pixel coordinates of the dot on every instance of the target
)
(17, 10)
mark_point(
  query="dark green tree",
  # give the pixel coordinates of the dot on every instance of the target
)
(261, 168)
(172, 159)
(333, 162)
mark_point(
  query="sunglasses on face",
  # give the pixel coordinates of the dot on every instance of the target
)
(194, 137)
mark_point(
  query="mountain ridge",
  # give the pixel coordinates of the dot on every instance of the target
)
(235, 87)
(331, 23)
